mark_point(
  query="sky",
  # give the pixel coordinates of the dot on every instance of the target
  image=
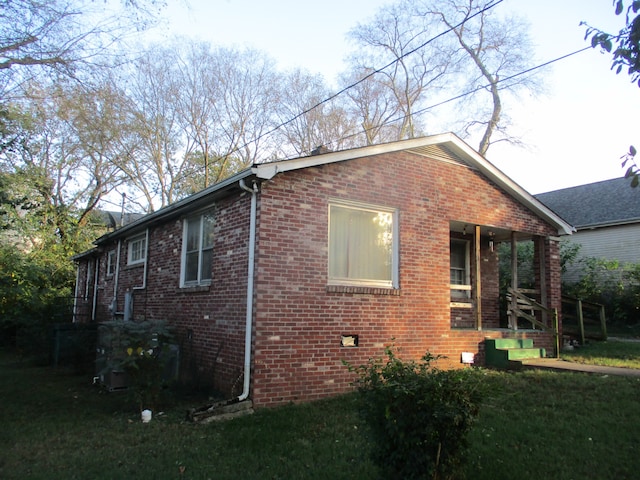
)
(574, 135)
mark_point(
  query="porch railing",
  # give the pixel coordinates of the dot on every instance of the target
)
(584, 314)
(522, 306)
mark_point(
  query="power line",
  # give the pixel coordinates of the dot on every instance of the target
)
(381, 69)
(353, 85)
(482, 87)
(369, 75)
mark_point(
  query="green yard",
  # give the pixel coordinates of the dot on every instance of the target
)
(56, 425)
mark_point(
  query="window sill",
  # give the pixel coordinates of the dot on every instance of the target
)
(361, 290)
(129, 266)
(194, 289)
(460, 304)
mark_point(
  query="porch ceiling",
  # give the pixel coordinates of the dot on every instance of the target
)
(499, 234)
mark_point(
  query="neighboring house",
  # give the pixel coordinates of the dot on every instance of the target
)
(606, 216)
(276, 275)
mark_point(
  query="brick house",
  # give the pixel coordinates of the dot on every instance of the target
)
(276, 275)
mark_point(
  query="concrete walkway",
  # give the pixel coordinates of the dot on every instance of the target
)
(563, 365)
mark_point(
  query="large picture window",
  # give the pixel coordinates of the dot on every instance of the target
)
(362, 245)
(197, 251)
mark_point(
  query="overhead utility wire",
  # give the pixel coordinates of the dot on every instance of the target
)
(349, 87)
(477, 89)
(472, 91)
(369, 75)
(379, 70)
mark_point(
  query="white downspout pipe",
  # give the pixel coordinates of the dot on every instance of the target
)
(114, 301)
(94, 301)
(75, 294)
(250, 281)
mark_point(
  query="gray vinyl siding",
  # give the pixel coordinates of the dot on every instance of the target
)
(620, 243)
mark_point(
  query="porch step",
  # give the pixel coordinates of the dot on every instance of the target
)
(507, 353)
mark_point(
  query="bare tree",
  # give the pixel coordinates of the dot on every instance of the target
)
(159, 160)
(247, 87)
(409, 66)
(373, 106)
(61, 35)
(201, 115)
(426, 52)
(496, 51)
(309, 120)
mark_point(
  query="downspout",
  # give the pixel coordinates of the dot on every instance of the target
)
(114, 301)
(94, 305)
(75, 294)
(250, 281)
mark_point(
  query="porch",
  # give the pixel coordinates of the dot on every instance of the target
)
(505, 284)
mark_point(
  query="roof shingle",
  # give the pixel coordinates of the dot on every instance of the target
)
(608, 202)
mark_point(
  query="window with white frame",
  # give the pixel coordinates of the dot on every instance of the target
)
(460, 278)
(137, 251)
(111, 262)
(363, 245)
(197, 250)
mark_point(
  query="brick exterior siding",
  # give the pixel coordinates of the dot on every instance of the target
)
(298, 318)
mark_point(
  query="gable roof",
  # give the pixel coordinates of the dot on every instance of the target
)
(445, 147)
(599, 204)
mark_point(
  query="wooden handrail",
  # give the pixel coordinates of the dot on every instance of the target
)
(533, 305)
(567, 298)
(580, 315)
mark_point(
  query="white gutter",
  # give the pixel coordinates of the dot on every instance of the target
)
(250, 279)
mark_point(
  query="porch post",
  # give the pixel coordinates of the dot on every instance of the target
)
(542, 265)
(477, 288)
(513, 318)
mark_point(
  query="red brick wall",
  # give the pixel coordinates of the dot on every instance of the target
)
(208, 320)
(299, 320)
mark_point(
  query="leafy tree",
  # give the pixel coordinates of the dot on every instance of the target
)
(625, 47)
(36, 241)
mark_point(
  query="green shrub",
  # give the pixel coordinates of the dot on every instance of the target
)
(140, 349)
(419, 416)
(611, 284)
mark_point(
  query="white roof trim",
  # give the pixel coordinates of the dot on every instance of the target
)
(466, 154)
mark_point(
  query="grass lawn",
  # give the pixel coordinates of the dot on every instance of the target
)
(56, 425)
(612, 353)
